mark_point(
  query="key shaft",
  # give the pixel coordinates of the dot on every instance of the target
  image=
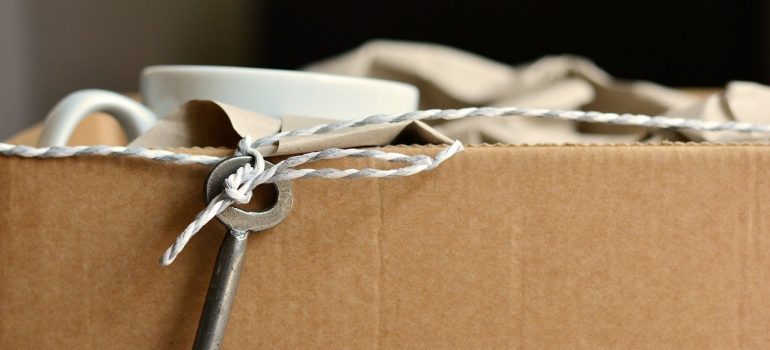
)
(232, 252)
(221, 293)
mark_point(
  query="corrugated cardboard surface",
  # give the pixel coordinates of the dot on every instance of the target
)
(500, 247)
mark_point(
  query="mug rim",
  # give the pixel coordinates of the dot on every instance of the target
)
(276, 73)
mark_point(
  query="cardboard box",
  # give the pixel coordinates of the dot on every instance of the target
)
(501, 247)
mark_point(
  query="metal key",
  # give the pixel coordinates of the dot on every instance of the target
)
(232, 252)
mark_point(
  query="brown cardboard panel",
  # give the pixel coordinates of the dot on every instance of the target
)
(501, 247)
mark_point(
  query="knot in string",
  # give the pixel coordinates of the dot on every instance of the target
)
(238, 186)
(246, 148)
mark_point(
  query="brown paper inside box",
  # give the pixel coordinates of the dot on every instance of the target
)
(633, 246)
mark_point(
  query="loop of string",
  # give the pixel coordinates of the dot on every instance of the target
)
(238, 186)
(659, 122)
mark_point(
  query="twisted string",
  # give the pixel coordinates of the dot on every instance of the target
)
(238, 186)
(101, 150)
(657, 122)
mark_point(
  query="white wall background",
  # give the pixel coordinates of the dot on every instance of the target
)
(51, 48)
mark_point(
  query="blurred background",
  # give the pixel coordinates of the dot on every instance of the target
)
(51, 48)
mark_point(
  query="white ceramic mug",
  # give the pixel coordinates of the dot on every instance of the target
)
(268, 91)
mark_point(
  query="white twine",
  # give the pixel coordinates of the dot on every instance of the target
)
(239, 185)
(101, 150)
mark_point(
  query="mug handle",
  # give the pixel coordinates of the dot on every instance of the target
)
(71, 110)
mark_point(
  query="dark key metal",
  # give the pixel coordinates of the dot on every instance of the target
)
(232, 252)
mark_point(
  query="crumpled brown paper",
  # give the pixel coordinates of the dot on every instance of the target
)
(451, 78)
(200, 123)
(740, 101)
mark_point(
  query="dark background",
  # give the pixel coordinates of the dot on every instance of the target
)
(681, 43)
(51, 48)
